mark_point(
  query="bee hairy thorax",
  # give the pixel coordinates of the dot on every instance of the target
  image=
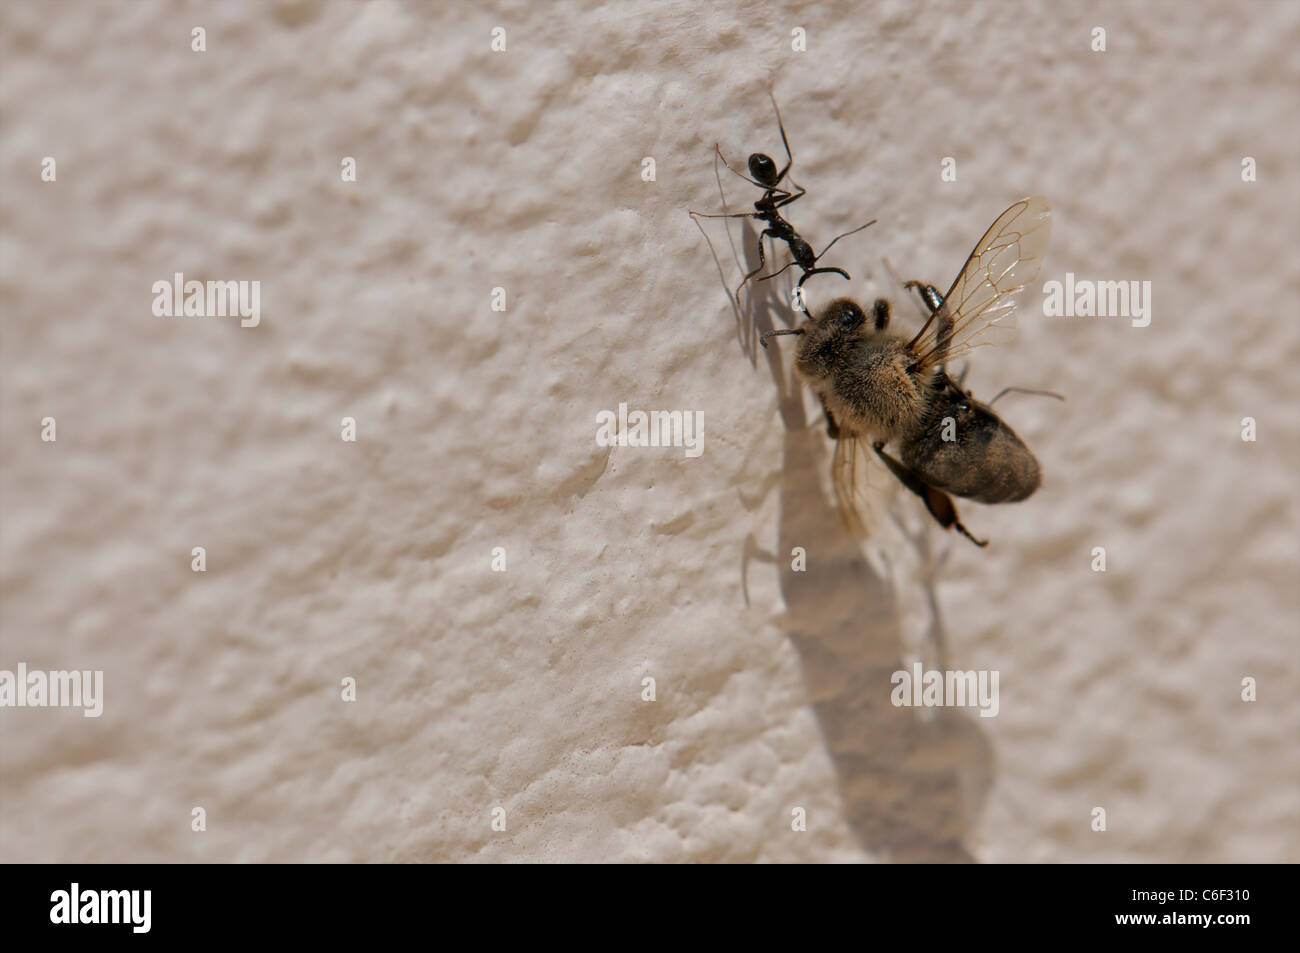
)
(871, 384)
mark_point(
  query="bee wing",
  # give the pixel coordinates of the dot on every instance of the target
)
(979, 308)
(849, 472)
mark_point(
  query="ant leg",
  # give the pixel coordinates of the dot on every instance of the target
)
(718, 149)
(775, 273)
(789, 197)
(939, 503)
(725, 214)
(762, 261)
(784, 141)
(832, 428)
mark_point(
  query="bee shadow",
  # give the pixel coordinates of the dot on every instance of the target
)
(912, 781)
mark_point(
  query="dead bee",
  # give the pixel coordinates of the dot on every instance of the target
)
(877, 386)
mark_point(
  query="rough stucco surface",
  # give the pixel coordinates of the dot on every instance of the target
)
(522, 690)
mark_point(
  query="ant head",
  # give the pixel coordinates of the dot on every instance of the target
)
(763, 169)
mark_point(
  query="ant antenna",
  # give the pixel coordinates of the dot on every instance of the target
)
(1026, 390)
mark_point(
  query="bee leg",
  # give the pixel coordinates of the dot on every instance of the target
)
(939, 503)
(880, 311)
(943, 336)
(832, 428)
(929, 294)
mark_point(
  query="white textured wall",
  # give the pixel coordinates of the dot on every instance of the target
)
(476, 429)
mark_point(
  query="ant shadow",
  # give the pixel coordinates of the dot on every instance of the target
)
(912, 781)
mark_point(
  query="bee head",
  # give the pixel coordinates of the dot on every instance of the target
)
(836, 333)
(844, 317)
(838, 322)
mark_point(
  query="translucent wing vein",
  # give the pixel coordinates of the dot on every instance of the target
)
(979, 308)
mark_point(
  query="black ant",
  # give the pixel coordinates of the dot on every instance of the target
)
(767, 209)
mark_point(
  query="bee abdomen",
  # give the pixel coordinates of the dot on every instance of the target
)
(983, 459)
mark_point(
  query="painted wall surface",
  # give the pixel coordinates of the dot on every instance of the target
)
(475, 416)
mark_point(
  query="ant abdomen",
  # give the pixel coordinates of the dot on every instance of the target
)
(802, 252)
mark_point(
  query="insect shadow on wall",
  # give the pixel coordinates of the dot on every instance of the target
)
(911, 786)
(912, 783)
